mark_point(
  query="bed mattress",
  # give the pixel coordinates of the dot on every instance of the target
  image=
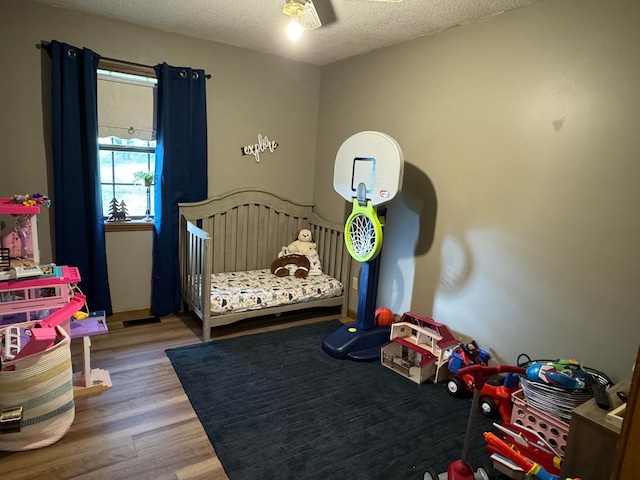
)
(258, 289)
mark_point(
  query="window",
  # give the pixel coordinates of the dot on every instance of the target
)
(126, 142)
(119, 160)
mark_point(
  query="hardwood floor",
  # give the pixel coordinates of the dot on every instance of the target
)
(144, 426)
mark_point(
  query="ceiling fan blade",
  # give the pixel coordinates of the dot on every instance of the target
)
(307, 15)
(325, 11)
(310, 19)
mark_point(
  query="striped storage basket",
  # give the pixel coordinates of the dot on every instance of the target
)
(36, 397)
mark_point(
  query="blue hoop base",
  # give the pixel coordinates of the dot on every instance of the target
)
(361, 341)
(349, 342)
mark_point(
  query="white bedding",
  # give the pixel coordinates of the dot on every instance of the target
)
(257, 289)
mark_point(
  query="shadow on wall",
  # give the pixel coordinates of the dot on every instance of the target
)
(409, 233)
(455, 263)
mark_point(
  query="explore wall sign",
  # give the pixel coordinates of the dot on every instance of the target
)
(257, 148)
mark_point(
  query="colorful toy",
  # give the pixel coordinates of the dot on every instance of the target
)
(384, 317)
(509, 452)
(39, 335)
(418, 348)
(22, 240)
(34, 299)
(460, 469)
(48, 291)
(495, 395)
(562, 373)
(368, 172)
(530, 444)
(465, 355)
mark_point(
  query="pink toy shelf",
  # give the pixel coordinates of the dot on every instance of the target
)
(7, 207)
(36, 294)
(45, 335)
(30, 309)
(43, 302)
(22, 240)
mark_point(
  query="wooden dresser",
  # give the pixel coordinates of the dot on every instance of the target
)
(596, 449)
(591, 446)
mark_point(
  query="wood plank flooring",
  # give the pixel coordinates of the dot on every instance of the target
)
(144, 426)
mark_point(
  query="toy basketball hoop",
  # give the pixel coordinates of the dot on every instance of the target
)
(368, 172)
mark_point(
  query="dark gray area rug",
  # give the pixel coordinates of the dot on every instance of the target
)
(275, 406)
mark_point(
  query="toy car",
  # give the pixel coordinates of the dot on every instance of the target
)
(495, 394)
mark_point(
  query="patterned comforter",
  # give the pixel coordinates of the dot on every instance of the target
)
(256, 289)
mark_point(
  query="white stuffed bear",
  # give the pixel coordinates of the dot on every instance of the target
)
(304, 244)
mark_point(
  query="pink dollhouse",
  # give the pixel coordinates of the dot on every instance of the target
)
(21, 239)
(29, 293)
(418, 348)
(42, 296)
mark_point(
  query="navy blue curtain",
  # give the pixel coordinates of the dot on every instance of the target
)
(77, 203)
(181, 166)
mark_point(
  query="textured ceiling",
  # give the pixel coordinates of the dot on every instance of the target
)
(350, 27)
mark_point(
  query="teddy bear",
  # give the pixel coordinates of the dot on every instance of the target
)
(304, 244)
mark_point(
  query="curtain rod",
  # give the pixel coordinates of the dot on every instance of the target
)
(44, 44)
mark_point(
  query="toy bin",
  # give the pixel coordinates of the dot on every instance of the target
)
(552, 429)
(36, 394)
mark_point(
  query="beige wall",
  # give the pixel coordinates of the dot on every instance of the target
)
(249, 94)
(519, 221)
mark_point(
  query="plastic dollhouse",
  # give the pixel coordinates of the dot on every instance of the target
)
(22, 239)
(418, 348)
(34, 299)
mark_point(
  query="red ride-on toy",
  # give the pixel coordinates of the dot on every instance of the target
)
(464, 355)
(460, 469)
(495, 396)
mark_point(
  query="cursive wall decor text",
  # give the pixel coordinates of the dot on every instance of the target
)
(256, 149)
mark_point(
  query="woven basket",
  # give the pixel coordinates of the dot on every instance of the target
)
(42, 384)
(559, 401)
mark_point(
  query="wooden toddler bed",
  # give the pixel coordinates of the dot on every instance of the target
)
(227, 245)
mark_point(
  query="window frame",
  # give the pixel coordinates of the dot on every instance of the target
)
(130, 69)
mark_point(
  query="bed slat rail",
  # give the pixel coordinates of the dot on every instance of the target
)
(249, 237)
(194, 268)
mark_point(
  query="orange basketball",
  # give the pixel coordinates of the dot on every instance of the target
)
(384, 317)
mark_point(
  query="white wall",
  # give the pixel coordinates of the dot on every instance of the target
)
(518, 224)
(129, 269)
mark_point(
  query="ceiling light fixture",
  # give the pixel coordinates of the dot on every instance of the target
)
(294, 8)
(294, 29)
(302, 16)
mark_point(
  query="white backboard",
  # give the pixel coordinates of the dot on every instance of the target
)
(373, 159)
